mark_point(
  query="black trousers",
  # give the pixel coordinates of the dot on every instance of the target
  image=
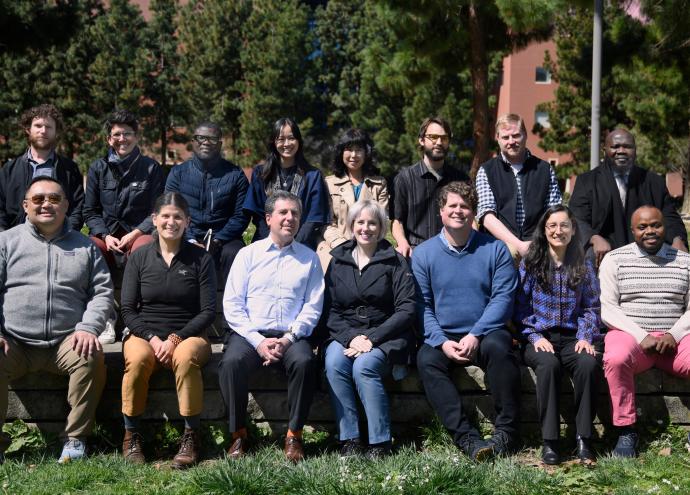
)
(224, 257)
(240, 359)
(586, 372)
(499, 362)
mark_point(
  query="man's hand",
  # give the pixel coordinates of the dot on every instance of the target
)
(4, 345)
(269, 350)
(600, 247)
(85, 344)
(666, 344)
(452, 351)
(679, 244)
(112, 243)
(522, 247)
(198, 244)
(648, 344)
(468, 346)
(584, 346)
(543, 345)
(282, 345)
(404, 249)
(128, 239)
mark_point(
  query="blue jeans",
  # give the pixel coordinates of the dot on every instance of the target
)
(366, 373)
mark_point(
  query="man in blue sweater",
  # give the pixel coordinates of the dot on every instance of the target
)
(467, 280)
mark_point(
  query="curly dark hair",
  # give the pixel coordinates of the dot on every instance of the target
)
(121, 117)
(538, 262)
(41, 112)
(354, 138)
(463, 189)
(271, 164)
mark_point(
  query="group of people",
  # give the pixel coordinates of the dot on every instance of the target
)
(469, 260)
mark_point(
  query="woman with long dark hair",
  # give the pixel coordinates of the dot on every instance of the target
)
(168, 302)
(285, 168)
(354, 178)
(558, 311)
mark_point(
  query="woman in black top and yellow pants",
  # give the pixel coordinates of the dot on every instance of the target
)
(168, 301)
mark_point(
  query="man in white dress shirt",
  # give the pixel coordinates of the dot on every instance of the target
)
(272, 302)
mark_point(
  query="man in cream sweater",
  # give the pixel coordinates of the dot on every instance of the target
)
(644, 302)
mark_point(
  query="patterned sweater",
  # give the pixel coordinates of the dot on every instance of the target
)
(642, 293)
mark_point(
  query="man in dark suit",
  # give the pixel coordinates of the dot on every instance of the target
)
(605, 198)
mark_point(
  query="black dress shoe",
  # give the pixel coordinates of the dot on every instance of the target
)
(549, 453)
(584, 449)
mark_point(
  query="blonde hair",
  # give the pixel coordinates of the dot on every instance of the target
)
(376, 211)
(510, 118)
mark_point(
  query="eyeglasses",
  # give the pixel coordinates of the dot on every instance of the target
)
(565, 226)
(201, 139)
(52, 198)
(122, 135)
(435, 137)
(286, 140)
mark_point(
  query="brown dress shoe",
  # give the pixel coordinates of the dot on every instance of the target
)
(238, 448)
(293, 449)
(132, 449)
(188, 455)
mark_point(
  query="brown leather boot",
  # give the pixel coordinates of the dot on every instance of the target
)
(293, 449)
(238, 449)
(188, 455)
(132, 449)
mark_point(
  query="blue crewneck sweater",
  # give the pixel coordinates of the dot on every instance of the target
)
(466, 291)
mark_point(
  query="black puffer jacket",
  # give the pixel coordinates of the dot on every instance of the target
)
(116, 200)
(379, 303)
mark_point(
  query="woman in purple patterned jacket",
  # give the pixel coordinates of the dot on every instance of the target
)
(557, 310)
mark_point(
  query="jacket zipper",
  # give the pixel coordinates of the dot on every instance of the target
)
(49, 297)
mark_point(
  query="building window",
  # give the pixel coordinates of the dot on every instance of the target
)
(543, 76)
(542, 119)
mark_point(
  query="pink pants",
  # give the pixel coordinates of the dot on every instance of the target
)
(624, 358)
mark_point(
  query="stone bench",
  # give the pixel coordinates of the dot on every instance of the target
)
(41, 398)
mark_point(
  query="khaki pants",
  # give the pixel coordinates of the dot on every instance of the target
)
(140, 363)
(86, 379)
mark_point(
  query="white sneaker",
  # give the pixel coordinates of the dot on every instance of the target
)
(108, 335)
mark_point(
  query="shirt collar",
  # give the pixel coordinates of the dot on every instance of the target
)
(663, 252)
(505, 160)
(423, 169)
(269, 245)
(32, 160)
(442, 235)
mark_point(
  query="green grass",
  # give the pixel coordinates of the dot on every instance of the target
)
(430, 466)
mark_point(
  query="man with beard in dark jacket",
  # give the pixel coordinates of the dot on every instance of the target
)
(42, 125)
(215, 190)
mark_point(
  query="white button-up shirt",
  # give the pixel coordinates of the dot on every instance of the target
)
(273, 289)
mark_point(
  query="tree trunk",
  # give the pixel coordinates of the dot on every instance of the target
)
(685, 210)
(480, 88)
(164, 144)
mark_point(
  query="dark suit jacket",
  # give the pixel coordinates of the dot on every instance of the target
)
(597, 205)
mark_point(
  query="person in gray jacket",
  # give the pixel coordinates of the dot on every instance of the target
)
(55, 296)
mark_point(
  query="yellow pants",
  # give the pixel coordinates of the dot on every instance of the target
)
(140, 363)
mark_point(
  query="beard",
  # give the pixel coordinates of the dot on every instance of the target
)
(42, 144)
(435, 154)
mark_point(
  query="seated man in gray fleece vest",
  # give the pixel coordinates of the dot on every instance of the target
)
(55, 296)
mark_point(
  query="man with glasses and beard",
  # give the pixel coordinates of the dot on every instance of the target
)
(215, 190)
(414, 214)
(515, 188)
(42, 125)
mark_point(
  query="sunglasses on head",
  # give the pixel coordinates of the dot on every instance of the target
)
(52, 198)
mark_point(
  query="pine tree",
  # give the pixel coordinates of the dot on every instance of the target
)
(163, 107)
(210, 35)
(274, 69)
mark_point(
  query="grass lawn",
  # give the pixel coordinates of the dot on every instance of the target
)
(432, 467)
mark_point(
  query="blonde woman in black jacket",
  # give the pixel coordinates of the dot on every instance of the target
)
(370, 296)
